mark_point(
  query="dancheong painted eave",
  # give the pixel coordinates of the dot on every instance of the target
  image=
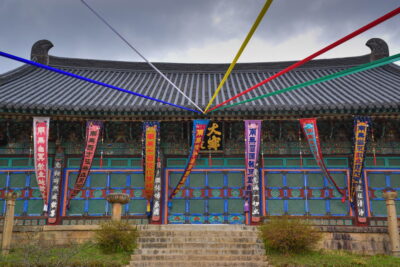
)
(29, 90)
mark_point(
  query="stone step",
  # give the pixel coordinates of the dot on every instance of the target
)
(197, 258)
(199, 264)
(201, 245)
(220, 251)
(198, 233)
(204, 239)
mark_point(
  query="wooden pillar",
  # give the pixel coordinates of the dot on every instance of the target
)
(8, 222)
(392, 222)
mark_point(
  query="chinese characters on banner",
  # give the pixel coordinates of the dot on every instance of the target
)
(151, 139)
(252, 135)
(199, 130)
(93, 129)
(55, 187)
(361, 127)
(40, 139)
(310, 130)
(157, 190)
(213, 138)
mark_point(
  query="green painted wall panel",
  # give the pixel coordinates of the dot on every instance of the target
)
(315, 180)
(275, 206)
(296, 207)
(235, 179)
(395, 180)
(137, 206)
(76, 207)
(196, 205)
(316, 206)
(98, 179)
(235, 206)
(17, 180)
(197, 180)
(178, 206)
(118, 179)
(4, 163)
(377, 179)
(295, 180)
(337, 207)
(33, 181)
(97, 206)
(216, 206)
(3, 180)
(35, 206)
(137, 180)
(273, 179)
(217, 179)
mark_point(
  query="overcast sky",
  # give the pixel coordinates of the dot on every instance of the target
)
(193, 30)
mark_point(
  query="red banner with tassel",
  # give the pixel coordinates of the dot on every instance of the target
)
(93, 129)
(310, 131)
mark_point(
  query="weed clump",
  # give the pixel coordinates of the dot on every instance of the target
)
(289, 235)
(116, 236)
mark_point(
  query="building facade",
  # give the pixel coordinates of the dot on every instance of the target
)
(290, 181)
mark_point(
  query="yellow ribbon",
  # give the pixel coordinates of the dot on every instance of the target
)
(239, 53)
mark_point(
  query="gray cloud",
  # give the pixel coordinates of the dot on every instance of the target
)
(161, 27)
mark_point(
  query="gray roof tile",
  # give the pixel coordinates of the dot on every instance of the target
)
(32, 88)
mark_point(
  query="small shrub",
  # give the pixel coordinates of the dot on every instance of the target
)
(289, 235)
(116, 236)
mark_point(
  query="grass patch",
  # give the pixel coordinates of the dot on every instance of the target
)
(337, 258)
(87, 255)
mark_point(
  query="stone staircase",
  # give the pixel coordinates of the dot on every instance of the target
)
(198, 246)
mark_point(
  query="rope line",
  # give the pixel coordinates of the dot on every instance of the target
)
(323, 50)
(36, 64)
(137, 52)
(353, 70)
(241, 49)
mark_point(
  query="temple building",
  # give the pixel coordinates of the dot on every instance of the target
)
(289, 180)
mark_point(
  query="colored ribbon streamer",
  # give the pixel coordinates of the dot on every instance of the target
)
(323, 50)
(137, 52)
(241, 49)
(36, 64)
(339, 74)
(199, 130)
(310, 131)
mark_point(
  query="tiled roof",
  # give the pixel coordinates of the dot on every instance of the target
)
(34, 90)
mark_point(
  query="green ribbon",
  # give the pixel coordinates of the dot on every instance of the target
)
(339, 74)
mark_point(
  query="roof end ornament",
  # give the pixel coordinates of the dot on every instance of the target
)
(40, 51)
(379, 48)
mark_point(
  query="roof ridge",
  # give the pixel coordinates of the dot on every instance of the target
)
(202, 67)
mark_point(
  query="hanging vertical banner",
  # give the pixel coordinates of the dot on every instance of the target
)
(55, 186)
(157, 190)
(93, 129)
(356, 196)
(252, 133)
(199, 130)
(310, 130)
(40, 142)
(151, 132)
(255, 200)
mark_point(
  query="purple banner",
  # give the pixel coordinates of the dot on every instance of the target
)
(252, 133)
